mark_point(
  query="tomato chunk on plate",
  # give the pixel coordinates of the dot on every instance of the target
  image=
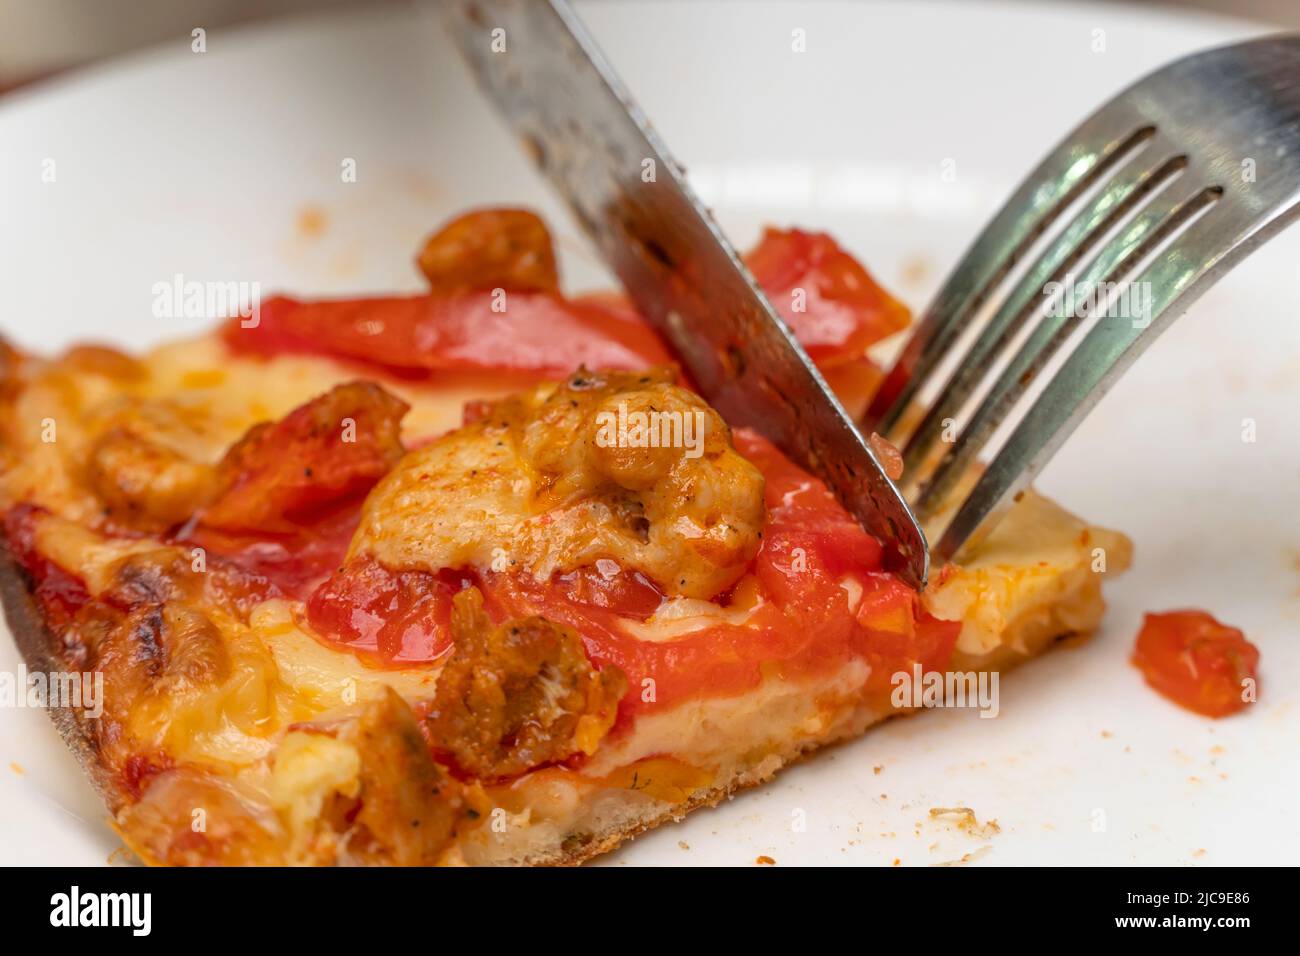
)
(1197, 662)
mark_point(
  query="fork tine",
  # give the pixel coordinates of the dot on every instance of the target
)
(1065, 174)
(1179, 275)
(1131, 185)
(1164, 215)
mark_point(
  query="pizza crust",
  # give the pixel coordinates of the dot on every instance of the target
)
(38, 648)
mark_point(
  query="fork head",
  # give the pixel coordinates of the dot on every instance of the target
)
(1133, 216)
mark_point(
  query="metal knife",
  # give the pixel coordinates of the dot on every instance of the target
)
(536, 61)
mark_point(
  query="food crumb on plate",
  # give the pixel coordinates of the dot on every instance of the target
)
(966, 820)
(966, 857)
(765, 861)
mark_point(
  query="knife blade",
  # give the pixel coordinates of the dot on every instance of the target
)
(537, 63)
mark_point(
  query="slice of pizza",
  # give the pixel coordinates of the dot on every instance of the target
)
(471, 576)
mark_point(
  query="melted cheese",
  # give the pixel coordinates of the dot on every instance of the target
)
(206, 396)
(1038, 574)
(324, 680)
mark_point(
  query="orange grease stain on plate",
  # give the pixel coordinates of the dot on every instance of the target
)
(312, 222)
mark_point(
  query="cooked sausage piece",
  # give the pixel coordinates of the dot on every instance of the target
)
(519, 695)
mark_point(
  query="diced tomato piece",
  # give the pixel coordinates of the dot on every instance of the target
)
(626, 593)
(333, 448)
(832, 303)
(488, 249)
(293, 488)
(900, 633)
(854, 382)
(1197, 662)
(294, 562)
(800, 506)
(395, 618)
(887, 453)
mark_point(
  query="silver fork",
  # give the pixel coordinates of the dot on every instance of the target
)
(1161, 191)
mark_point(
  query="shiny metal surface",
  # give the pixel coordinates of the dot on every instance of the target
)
(1178, 178)
(535, 60)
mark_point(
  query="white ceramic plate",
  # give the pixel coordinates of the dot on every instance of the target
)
(202, 163)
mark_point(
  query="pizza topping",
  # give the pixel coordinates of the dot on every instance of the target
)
(408, 805)
(160, 825)
(519, 695)
(105, 361)
(854, 382)
(396, 617)
(162, 667)
(170, 573)
(495, 306)
(144, 458)
(333, 448)
(623, 467)
(1196, 662)
(144, 483)
(420, 336)
(315, 782)
(291, 489)
(813, 596)
(489, 249)
(791, 615)
(887, 453)
(831, 303)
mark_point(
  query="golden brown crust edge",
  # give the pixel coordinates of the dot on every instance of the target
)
(38, 648)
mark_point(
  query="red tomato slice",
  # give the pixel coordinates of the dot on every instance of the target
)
(417, 335)
(293, 488)
(832, 303)
(293, 562)
(495, 306)
(392, 618)
(1197, 662)
(332, 448)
